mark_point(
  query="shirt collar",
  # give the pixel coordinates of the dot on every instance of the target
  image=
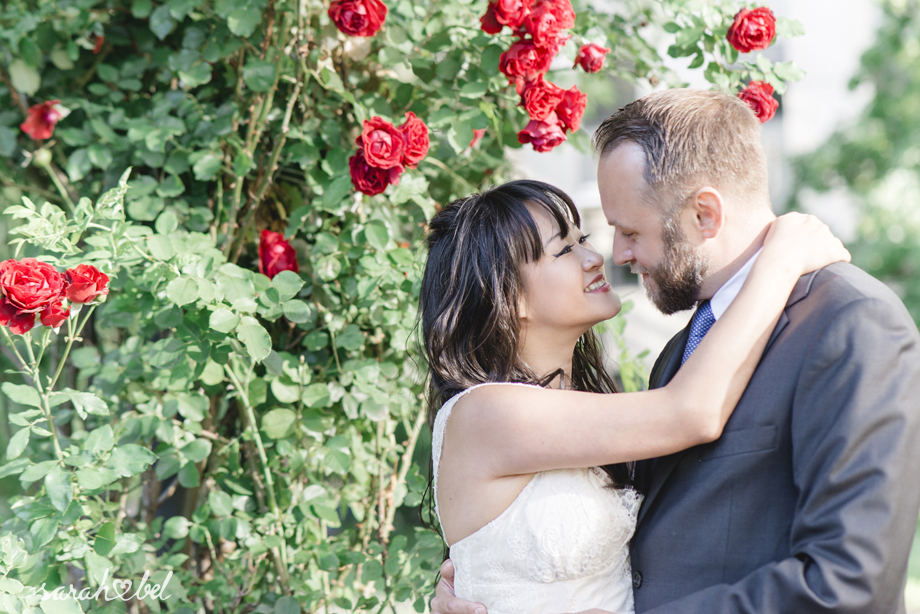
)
(730, 289)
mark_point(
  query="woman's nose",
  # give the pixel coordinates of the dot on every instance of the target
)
(592, 260)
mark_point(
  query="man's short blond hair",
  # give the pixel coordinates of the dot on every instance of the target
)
(692, 138)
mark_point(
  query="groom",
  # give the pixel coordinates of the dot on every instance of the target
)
(808, 502)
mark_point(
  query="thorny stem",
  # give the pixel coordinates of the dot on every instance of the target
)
(404, 464)
(71, 336)
(269, 481)
(46, 405)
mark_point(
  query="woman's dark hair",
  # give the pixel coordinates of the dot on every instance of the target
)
(470, 292)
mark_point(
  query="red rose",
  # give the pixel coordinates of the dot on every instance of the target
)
(42, 119)
(478, 133)
(19, 323)
(759, 96)
(369, 179)
(85, 283)
(489, 21)
(29, 285)
(526, 60)
(54, 314)
(543, 135)
(591, 57)
(276, 254)
(97, 47)
(752, 30)
(565, 14)
(546, 20)
(572, 108)
(415, 133)
(510, 13)
(541, 98)
(383, 143)
(358, 17)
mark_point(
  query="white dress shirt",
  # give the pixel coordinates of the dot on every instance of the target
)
(730, 289)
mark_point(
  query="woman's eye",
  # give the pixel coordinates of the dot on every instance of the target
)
(584, 238)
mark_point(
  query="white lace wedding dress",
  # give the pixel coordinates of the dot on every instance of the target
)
(561, 546)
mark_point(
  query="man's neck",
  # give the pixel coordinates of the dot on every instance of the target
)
(744, 250)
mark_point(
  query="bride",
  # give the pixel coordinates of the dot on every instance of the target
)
(531, 467)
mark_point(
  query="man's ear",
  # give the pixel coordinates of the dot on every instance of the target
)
(708, 211)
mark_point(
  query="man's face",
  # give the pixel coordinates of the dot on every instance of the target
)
(672, 269)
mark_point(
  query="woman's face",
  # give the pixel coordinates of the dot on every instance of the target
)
(566, 290)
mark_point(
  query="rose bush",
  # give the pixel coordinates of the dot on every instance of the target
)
(245, 413)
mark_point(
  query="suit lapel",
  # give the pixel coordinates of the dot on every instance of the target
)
(655, 472)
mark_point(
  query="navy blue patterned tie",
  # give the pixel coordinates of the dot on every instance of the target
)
(702, 322)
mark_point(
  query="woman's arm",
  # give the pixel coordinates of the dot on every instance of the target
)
(514, 430)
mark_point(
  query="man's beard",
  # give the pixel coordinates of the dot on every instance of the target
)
(679, 277)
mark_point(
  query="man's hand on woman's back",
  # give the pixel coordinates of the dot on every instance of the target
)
(445, 602)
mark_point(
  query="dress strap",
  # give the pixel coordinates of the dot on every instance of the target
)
(440, 426)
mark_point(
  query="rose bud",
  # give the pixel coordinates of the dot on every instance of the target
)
(591, 57)
(42, 119)
(383, 143)
(415, 134)
(541, 98)
(752, 30)
(543, 135)
(276, 254)
(358, 17)
(478, 133)
(489, 23)
(572, 108)
(29, 285)
(55, 314)
(85, 283)
(759, 96)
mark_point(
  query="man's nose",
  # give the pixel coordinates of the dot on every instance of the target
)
(621, 254)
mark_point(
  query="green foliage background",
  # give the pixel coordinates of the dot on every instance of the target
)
(261, 440)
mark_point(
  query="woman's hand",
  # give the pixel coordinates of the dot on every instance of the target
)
(804, 242)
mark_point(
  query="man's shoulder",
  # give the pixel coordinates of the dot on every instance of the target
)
(841, 285)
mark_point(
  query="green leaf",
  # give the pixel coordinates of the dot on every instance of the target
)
(84, 402)
(223, 320)
(131, 459)
(337, 192)
(278, 423)
(220, 502)
(196, 75)
(182, 290)
(288, 284)
(91, 479)
(161, 22)
(38, 471)
(258, 75)
(788, 71)
(188, 476)
(316, 395)
(789, 28)
(243, 22)
(24, 78)
(474, 89)
(59, 484)
(42, 531)
(377, 234)
(161, 247)
(105, 539)
(198, 450)
(22, 394)
(297, 311)
(17, 444)
(287, 605)
(176, 527)
(256, 339)
(207, 166)
(100, 439)
(285, 390)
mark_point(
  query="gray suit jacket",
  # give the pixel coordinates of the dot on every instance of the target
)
(808, 502)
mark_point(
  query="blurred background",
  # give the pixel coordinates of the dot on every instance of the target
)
(844, 146)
